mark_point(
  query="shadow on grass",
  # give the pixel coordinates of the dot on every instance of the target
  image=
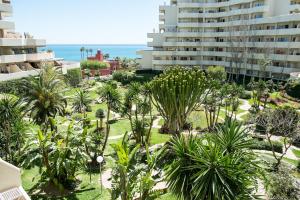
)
(50, 192)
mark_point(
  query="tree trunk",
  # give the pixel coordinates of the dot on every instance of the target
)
(107, 130)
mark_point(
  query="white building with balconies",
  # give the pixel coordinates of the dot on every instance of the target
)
(240, 35)
(18, 52)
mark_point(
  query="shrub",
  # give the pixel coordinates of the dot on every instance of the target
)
(298, 166)
(297, 142)
(13, 87)
(281, 185)
(74, 77)
(293, 88)
(264, 145)
(93, 65)
(246, 95)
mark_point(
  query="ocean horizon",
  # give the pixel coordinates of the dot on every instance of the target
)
(71, 52)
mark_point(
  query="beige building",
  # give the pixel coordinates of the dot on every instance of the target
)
(247, 37)
(18, 52)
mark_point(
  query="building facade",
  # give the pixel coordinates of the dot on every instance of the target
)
(18, 52)
(248, 37)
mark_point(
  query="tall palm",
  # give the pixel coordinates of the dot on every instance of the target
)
(112, 97)
(91, 51)
(44, 97)
(11, 118)
(82, 101)
(82, 50)
(87, 52)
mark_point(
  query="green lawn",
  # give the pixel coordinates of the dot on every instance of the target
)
(296, 152)
(158, 138)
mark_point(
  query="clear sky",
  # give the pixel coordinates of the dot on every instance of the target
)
(87, 21)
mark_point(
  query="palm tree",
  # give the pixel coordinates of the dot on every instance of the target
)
(87, 53)
(82, 50)
(82, 101)
(91, 51)
(112, 97)
(44, 97)
(11, 119)
(106, 56)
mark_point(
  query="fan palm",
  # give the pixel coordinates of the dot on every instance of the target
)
(82, 101)
(44, 97)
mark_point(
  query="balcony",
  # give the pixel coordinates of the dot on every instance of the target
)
(13, 42)
(4, 7)
(224, 14)
(43, 56)
(7, 25)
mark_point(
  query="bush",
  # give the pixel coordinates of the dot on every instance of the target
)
(281, 185)
(15, 87)
(293, 88)
(264, 145)
(298, 166)
(93, 65)
(297, 142)
(74, 77)
(126, 77)
(246, 95)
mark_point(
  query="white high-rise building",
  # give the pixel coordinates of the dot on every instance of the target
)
(247, 37)
(18, 52)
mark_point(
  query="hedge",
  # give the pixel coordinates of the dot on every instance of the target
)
(264, 145)
(74, 77)
(126, 77)
(93, 65)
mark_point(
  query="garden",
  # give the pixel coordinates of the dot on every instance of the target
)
(181, 134)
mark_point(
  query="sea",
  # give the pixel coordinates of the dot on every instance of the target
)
(71, 52)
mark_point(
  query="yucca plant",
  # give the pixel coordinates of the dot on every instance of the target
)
(204, 169)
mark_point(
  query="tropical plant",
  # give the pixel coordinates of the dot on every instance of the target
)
(44, 97)
(11, 126)
(112, 98)
(232, 136)
(176, 93)
(216, 95)
(138, 108)
(60, 153)
(132, 176)
(124, 175)
(82, 50)
(202, 168)
(81, 101)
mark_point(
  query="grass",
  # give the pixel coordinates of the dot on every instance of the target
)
(158, 138)
(296, 152)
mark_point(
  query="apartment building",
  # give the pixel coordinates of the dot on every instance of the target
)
(18, 52)
(247, 37)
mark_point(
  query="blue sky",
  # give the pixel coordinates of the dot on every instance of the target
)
(87, 21)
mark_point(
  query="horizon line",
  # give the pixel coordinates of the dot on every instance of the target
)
(91, 44)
